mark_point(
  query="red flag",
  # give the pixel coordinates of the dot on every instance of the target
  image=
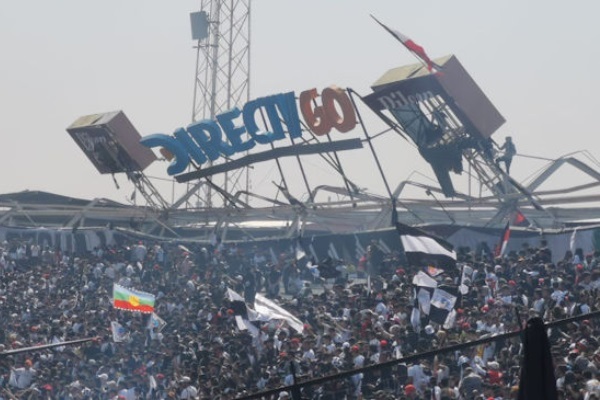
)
(501, 248)
(519, 219)
(411, 45)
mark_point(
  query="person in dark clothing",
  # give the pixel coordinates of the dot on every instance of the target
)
(509, 152)
(249, 284)
(374, 258)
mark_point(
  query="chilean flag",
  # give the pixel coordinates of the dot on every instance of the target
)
(411, 45)
(501, 248)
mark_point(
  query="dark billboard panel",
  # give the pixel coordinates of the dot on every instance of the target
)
(413, 83)
(443, 112)
(111, 142)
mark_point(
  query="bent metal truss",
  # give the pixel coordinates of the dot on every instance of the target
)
(446, 117)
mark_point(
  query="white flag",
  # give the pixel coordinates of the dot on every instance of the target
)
(450, 320)
(415, 319)
(423, 280)
(466, 279)
(119, 333)
(300, 254)
(156, 322)
(573, 241)
(424, 299)
(267, 310)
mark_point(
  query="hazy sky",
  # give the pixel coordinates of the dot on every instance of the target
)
(537, 61)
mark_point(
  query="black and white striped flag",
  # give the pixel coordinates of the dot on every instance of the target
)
(425, 250)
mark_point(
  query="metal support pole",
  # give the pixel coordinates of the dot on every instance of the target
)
(391, 196)
(373, 153)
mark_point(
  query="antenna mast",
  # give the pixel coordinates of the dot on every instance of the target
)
(222, 81)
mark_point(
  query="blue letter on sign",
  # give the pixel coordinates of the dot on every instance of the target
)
(181, 160)
(233, 133)
(208, 136)
(287, 107)
(250, 121)
(194, 151)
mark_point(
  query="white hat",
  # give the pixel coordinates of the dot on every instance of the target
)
(493, 365)
(111, 385)
(283, 394)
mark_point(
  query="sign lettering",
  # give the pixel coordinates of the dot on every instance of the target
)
(237, 131)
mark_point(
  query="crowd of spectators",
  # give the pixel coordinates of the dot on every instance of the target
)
(350, 322)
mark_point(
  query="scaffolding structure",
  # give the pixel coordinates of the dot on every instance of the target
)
(221, 82)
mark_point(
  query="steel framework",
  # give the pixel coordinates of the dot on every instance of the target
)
(221, 82)
(559, 208)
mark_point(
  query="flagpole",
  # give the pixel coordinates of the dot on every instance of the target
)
(421, 61)
(462, 271)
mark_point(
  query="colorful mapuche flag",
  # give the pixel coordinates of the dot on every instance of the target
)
(132, 300)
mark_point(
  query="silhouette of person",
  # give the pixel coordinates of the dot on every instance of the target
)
(509, 150)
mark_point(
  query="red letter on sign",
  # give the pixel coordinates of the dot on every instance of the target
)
(315, 118)
(347, 120)
(320, 119)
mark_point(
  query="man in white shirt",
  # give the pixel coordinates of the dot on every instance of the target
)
(188, 391)
(139, 252)
(22, 378)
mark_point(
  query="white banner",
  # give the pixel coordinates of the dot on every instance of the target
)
(443, 300)
(423, 280)
(270, 310)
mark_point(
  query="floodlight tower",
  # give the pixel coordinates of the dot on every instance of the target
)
(222, 78)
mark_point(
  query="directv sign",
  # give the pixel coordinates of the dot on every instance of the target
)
(236, 131)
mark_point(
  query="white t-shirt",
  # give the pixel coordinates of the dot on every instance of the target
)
(189, 392)
(22, 377)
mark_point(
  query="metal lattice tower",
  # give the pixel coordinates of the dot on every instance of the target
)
(222, 81)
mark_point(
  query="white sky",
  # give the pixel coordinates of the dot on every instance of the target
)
(537, 61)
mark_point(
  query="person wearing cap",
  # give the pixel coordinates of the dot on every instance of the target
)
(188, 391)
(358, 359)
(410, 391)
(494, 374)
(23, 377)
